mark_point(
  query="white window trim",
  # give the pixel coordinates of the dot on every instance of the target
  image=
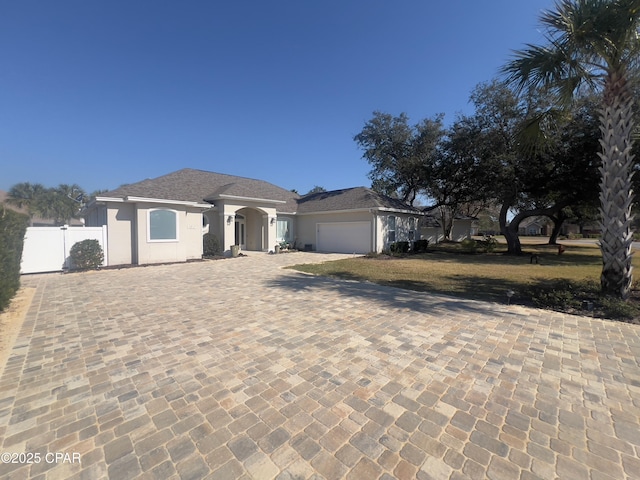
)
(163, 240)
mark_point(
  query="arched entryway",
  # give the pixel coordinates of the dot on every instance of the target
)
(250, 224)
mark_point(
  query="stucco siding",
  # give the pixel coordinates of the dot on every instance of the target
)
(260, 233)
(254, 228)
(121, 233)
(188, 244)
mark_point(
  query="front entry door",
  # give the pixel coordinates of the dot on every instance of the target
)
(240, 232)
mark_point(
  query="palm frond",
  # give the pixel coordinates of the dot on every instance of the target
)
(547, 66)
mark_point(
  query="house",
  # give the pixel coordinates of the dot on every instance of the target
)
(431, 229)
(535, 226)
(163, 219)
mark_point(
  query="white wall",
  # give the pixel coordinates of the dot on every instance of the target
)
(46, 249)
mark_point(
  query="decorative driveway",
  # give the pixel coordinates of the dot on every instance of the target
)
(239, 369)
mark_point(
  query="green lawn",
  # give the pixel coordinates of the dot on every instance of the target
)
(446, 269)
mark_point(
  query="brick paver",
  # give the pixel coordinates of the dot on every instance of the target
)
(240, 369)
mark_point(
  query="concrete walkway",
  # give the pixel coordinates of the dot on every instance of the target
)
(239, 369)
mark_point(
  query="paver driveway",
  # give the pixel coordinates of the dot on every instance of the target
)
(239, 369)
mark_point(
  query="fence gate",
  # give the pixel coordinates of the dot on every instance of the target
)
(46, 249)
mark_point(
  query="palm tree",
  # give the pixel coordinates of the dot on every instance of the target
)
(595, 43)
(28, 195)
(59, 204)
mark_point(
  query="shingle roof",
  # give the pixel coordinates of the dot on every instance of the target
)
(347, 199)
(199, 185)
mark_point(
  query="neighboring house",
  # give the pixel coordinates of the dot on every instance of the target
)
(163, 219)
(535, 226)
(430, 228)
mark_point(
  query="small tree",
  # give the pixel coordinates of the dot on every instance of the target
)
(86, 255)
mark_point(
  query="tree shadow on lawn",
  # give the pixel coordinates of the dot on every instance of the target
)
(542, 257)
(398, 294)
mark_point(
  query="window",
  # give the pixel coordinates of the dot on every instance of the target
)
(283, 230)
(391, 228)
(412, 228)
(163, 225)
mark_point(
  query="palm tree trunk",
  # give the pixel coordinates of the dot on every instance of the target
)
(616, 124)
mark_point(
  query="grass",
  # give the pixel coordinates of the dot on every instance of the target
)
(561, 282)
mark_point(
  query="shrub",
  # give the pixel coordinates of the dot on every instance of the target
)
(399, 247)
(617, 308)
(420, 246)
(86, 255)
(469, 245)
(489, 244)
(210, 245)
(13, 226)
(561, 293)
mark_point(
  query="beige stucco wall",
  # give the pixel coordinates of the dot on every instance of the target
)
(119, 218)
(254, 228)
(189, 243)
(260, 232)
(121, 233)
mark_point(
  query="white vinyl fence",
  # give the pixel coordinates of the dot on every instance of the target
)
(46, 249)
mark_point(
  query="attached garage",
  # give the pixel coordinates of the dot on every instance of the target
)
(344, 237)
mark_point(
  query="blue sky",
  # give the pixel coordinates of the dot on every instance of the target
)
(102, 93)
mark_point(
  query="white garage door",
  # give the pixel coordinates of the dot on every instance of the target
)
(344, 237)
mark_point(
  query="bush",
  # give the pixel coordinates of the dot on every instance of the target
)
(420, 246)
(13, 226)
(86, 255)
(210, 245)
(619, 309)
(562, 294)
(469, 245)
(489, 244)
(399, 247)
